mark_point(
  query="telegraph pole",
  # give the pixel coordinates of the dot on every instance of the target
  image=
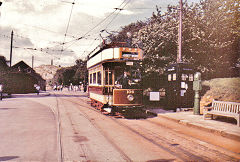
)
(179, 58)
(11, 49)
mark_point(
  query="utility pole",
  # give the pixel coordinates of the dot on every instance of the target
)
(11, 49)
(179, 58)
(32, 61)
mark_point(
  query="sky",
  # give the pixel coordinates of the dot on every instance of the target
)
(63, 31)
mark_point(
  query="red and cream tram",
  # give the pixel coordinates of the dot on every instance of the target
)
(114, 78)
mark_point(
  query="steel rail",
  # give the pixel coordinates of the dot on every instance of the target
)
(159, 144)
(59, 132)
(84, 114)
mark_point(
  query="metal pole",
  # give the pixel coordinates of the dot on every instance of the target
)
(32, 61)
(11, 49)
(179, 58)
(196, 103)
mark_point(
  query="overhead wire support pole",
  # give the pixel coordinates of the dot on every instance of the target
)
(11, 46)
(32, 61)
(179, 58)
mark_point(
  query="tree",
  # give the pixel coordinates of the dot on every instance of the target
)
(210, 38)
(74, 74)
(3, 65)
(81, 72)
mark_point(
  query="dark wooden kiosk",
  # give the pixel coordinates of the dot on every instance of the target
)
(179, 86)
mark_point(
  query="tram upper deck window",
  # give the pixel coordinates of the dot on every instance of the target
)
(94, 78)
(108, 77)
(99, 78)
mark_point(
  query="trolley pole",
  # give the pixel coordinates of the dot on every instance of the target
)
(11, 46)
(179, 58)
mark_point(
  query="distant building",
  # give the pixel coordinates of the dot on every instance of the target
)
(24, 68)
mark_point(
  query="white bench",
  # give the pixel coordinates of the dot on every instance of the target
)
(222, 108)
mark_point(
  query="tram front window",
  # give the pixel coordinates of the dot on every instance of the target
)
(129, 80)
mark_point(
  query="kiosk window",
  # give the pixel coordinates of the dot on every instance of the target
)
(184, 76)
(99, 78)
(190, 77)
(94, 78)
(174, 76)
(169, 77)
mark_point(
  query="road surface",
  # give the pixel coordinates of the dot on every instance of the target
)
(63, 127)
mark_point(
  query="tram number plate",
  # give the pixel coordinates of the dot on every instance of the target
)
(130, 91)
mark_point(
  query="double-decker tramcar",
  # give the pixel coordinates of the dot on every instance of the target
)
(115, 78)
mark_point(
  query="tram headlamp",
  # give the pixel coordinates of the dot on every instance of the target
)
(130, 97)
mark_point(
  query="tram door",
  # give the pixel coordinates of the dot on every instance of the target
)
(179, 86)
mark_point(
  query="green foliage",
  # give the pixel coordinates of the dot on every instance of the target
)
(74, 74)
(211, 38)
(223, 89)
(3, 66)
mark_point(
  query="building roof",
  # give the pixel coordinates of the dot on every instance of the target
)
(22, 65)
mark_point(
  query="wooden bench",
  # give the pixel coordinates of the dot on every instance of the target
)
(222, 108)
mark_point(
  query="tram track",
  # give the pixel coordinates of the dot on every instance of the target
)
(59, 134)
(117, 148)
(179, 156)
(179, 150)
(84, 154)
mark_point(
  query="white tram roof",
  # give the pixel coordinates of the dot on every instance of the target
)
(111, 54)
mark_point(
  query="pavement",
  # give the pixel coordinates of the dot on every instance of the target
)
(41, 94)
(224, 128)
(221, 127)
(30, 95)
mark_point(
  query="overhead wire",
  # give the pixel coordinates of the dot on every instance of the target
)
(119, 10)
(68, 24)
(25, 37)
(37, 27)
(89, 46)
(73, 41)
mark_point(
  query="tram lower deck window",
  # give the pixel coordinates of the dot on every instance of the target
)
(90, 78)
(94, 78)
(99, 78)
(108, 78)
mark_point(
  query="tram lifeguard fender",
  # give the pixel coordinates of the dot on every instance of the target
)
(120, 97)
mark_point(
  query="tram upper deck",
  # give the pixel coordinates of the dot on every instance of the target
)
(114, 53)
